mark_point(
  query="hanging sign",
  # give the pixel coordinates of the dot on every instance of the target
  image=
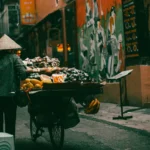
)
(27, 12)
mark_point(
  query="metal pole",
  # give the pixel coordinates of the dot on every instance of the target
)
(124, 59)
(121, 104)
(65, 51)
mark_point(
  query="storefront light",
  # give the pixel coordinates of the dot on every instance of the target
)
(60, 47)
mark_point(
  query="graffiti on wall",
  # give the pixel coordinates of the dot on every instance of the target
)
(100, 37)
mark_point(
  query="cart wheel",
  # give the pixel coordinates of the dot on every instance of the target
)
(33, 128)
(56, 131)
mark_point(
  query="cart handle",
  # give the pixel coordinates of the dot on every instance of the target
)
(27, 94)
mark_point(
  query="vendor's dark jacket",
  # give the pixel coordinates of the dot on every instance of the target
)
(12, 70)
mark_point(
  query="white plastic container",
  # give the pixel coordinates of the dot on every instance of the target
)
(6, 141)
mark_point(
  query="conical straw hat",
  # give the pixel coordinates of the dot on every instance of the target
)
(6, 43)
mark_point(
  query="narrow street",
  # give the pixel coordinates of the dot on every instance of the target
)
(87, 135)
(92, 52)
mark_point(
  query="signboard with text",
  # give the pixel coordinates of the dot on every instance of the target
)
(130, 27)
(136, 28)
(27, 12)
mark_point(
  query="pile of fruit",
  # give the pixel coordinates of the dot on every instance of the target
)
(47, 70)
(93, 107)
(29, 84)
(42, 62)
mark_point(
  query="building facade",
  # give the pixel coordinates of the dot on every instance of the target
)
(101, 37)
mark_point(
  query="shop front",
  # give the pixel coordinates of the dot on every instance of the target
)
(136, 23)
(54, 33)
(87, 35)
(99, 37)
(114, 36)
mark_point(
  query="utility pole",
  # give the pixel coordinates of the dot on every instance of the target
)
(65, 51)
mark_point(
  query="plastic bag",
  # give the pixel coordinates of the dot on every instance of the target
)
(71, 115)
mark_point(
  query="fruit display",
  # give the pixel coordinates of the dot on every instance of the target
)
(42, 62)
(45, 78)
(41, 72)
(29, 84)
(47, 70)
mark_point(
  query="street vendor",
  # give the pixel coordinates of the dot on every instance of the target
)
(11, 70)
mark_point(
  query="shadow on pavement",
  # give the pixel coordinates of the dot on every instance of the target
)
(26, 144)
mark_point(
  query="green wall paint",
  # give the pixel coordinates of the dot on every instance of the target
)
(103, 43)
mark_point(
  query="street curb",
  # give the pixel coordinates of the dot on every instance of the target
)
(138, 131)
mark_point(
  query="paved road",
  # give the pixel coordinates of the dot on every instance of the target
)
(87, 135)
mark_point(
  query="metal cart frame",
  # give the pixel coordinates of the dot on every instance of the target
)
(49, 97)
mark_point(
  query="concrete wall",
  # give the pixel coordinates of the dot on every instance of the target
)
(145, 86)
(4, 21)
(111, 93)
(138, 86)
(134, 93)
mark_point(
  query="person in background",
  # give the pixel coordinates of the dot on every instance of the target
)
(11, 70)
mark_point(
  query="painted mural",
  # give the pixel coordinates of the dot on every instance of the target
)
(100, 37)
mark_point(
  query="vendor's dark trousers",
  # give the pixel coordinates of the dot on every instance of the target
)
(8, 115)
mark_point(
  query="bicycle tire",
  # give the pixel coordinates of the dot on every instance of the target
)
(56, 132)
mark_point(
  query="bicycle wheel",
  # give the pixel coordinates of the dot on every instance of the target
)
(33, 128)
(56, 131)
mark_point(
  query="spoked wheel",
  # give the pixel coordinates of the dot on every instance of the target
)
(56, 131)
(35, 131)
